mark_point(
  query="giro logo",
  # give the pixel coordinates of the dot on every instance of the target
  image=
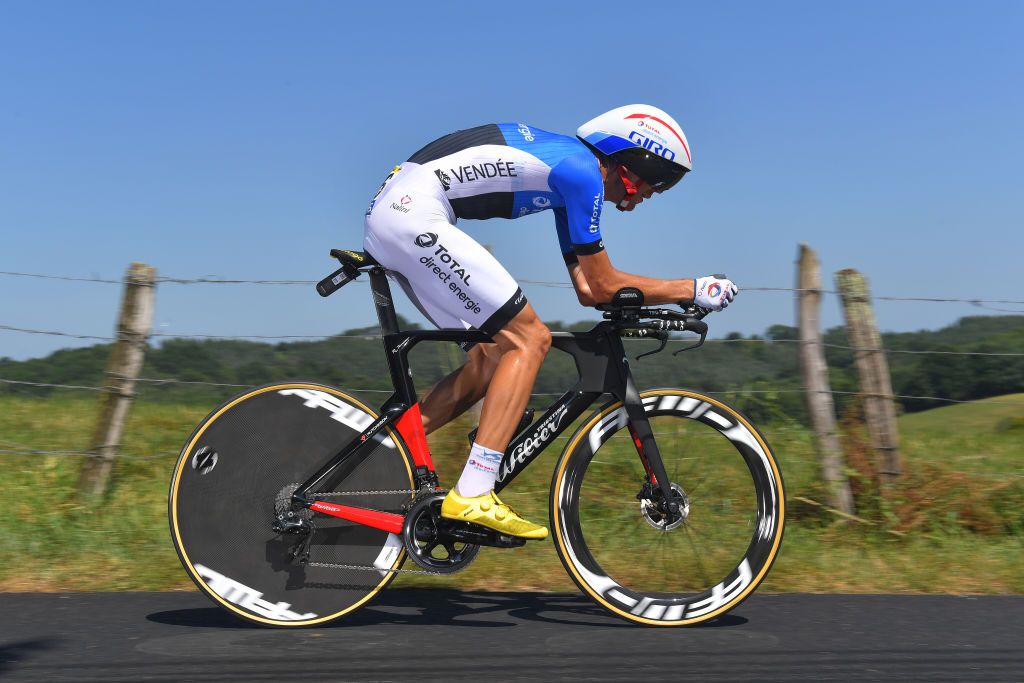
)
(427, 239)
(649, 144)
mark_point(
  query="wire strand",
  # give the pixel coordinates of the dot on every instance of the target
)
(542, 283)
(375, 337)
(724, 392)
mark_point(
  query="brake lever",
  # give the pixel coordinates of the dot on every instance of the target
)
(663, 338)
(694, 325)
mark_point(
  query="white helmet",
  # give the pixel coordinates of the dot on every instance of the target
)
(643, 139)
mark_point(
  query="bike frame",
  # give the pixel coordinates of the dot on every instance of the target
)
(602, 366)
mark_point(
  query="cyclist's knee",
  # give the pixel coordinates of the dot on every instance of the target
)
(541, 338)
(525, 333)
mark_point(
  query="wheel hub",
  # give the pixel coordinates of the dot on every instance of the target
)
(656, 513)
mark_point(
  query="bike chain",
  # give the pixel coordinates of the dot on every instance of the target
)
(359, 567)
(363, 493)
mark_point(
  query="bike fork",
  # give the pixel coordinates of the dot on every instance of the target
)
(643, 439)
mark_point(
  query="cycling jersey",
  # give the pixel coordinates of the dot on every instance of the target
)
(495, 171)
(509, 170)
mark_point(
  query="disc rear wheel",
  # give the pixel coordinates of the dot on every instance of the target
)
(234, 528)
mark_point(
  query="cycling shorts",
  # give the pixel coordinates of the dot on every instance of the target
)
(455, 282)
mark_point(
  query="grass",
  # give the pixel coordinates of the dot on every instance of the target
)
(955, 526)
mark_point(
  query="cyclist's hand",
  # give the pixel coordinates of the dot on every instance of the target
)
(714, 293)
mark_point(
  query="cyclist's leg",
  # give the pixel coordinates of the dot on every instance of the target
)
(523, 343)
(461, 389)
(505, 370)
(452, 280)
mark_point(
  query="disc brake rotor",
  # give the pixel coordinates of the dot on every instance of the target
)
(661, 519)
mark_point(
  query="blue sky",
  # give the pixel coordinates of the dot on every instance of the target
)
(244, 139)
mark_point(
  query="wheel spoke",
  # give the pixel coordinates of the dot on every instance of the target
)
(697, 558)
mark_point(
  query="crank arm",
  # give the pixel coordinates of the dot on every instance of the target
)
(479, 535)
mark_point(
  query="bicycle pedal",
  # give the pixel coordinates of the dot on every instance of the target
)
(510, 541)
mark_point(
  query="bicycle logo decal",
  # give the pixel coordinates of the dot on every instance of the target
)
(204, 460)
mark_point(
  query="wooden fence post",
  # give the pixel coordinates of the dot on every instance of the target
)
(873, 371)
(122, 370)
(814, 371)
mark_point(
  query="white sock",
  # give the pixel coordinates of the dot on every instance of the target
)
(480, 473)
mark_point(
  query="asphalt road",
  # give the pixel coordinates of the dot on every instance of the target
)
(449, 635)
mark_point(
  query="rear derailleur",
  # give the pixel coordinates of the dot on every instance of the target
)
(295, 521)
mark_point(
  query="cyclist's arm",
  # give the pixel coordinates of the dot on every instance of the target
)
(572, 263)
(578, 179)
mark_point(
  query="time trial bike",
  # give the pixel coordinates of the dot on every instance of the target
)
(295, 503)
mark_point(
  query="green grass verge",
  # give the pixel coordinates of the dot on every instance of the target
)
(956, 525)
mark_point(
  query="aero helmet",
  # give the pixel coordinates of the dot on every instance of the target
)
(643, 139)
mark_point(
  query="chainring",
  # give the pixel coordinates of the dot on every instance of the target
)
(427, 542)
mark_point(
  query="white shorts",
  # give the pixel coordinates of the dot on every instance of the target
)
(455, 282)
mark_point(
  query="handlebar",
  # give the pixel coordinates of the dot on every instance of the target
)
(656, 323)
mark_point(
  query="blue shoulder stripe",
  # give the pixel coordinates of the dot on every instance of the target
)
(549, 147)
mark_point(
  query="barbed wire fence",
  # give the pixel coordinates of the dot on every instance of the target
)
(11, 448)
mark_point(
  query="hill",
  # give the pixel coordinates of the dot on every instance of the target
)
(764, 368)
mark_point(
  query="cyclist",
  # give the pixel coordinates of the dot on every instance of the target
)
(509, 170)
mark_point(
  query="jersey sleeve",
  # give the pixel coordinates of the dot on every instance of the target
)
(577, 179)
(562, 227)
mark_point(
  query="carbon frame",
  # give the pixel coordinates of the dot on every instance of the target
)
(601, 364)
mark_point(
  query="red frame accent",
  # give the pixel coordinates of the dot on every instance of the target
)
(385, 521)
(410, 426)
(643, 456)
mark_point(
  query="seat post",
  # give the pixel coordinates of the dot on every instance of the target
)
(383, 302)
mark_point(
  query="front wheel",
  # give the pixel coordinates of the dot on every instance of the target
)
(676, 570)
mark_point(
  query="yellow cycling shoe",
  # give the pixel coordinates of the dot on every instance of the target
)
(487, 510)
